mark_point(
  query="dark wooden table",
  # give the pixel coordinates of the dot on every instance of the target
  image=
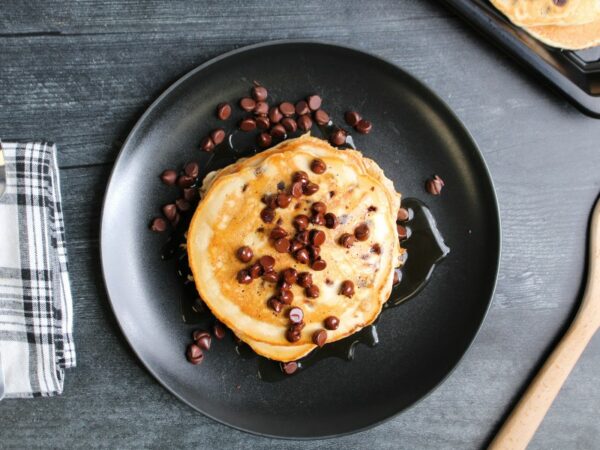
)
(81, 73)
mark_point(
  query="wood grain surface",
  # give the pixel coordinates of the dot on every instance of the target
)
(80, 73)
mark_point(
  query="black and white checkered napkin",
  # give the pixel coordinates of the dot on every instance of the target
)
(36, 312)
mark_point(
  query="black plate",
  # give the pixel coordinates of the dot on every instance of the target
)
(575, 74)
(421, 341)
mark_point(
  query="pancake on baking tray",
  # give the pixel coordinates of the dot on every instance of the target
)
(567, 24)
(328, 216)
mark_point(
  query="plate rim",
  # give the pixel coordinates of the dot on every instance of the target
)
(277, 42)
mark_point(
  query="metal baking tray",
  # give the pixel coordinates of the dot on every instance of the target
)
(575, 74)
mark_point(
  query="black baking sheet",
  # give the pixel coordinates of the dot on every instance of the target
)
(575, 74)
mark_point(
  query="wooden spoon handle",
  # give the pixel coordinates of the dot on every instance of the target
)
(520, 426)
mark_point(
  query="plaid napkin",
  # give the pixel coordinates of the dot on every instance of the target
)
(36, 315)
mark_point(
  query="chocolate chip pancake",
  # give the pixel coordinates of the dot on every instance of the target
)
(288, 240)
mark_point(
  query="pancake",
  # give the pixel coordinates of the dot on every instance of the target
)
(528, 13)
(576, 37)
(228, 217)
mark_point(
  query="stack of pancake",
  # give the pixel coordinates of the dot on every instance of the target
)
(353, 188)
(567, 24)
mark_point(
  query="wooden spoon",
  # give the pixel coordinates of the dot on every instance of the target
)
(522, 423)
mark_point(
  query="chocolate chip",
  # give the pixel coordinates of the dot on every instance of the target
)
(275, 115)
(303, 237)
(263, 122)
(175, 221)
(169, 177)
(314, 102)
(207, 144)
(305, 122)
(184, 181)
(292, 335)
(300, 222)
(319, 337)
(434, 185)
(318, 219)
(190, 194)
(278, 233)
(402, 234)
(289, 124)
(248, 124)
(363, 126)
(223, 111)
(202, 339)
(219, 330)
(259, 93)
(267, 262)
(282, 245)
(243, 277)
(317, 237)
(217, 135)
(270, 276)
(261, 109)
(300, 176)
(275, 304)
(281, 186)
(247, 104)
(277, 131)
(318, 264)
(289, 367)
(169, 211)
(310, 188)
(559, 2)
(302, 108)
(297, 327)
(331, 220)
(352, 118)
(158, 225)
(290, 275)
(372, 208)
(283, 200)
(286, 296)
(347, 288)
(295, 246)
(318, 166)
(244, 253)
(255, 271)
(332, 323)
(302, 256)
(287, 109)
(321, 117)
(267, 215)
(312, 291)
(314, 251)
(403, 215)
(376, 248)
(296, 315)
(264, 139)
(270, 201)
(194, 354)
(192, 169)
(284, 285)
(338, 137)
(297, 189)
(318, 208)
(346, 240)
(305, 279)
(362, 232)
(182, 204)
